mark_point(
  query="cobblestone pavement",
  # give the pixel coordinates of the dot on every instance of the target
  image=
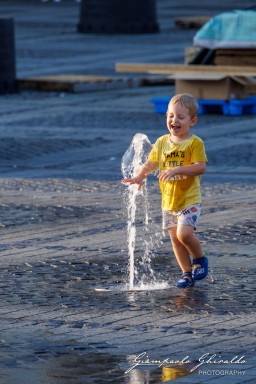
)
(66, 314)
(64, 239)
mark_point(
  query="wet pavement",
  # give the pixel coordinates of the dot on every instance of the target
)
(66, 314)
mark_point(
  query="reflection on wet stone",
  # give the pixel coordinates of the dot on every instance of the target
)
(73, 282)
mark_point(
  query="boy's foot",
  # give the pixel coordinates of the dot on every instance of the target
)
(200, 268)
(186, 281)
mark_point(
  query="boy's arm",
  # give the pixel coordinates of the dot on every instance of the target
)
(195, 169)
(145, 170)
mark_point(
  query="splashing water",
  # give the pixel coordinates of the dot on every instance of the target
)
(135, 155)
(132, 160)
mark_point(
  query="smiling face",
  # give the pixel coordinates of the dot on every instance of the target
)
(179, 121)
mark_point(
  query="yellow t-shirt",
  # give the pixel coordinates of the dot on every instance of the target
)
(182, 191)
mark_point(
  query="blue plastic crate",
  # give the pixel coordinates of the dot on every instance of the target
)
(213, 106)
(160, 104)
(239, 107)
(234, 107)
(204, 106)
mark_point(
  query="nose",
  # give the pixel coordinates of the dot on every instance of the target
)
(175, 119)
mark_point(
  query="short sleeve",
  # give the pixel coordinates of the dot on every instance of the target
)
(154, 153)
(198, 151)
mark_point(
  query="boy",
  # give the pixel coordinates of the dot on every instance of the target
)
(181, 160)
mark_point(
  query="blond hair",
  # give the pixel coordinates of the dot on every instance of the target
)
(186, 100)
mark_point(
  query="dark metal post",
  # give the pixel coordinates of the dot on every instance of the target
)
(7, 57)
(117, 16)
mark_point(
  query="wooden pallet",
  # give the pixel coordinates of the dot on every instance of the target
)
(74, 83)
(195, 22)
(173, 69)
(238, 57)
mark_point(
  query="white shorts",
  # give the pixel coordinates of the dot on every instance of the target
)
(187, 216)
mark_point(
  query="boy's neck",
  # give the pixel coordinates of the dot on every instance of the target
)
(176, 139)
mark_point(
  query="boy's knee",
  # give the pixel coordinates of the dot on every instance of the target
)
(185, 236)
(173, 236)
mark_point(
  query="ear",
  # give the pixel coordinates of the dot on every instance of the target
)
(193, 121)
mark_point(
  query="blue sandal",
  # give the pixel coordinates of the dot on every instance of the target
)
(185, 283)
(201, 272)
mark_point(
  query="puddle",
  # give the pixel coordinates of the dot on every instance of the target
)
(172, 373)
(155, 376)
(51, 350)
(83, 284)
(58, 364)
(135, 288)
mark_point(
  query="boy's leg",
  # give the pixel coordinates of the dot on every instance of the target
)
(181, 230)
(180, 251)
(185, 235)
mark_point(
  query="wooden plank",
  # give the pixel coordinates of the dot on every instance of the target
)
(237, 57)
(236, 52)
(73, 78)
(75, 83)
(235, 60)
(192, 21)
(173, 69)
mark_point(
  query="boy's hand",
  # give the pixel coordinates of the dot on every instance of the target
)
(133, 180)
(166, 175)
(194, 169)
